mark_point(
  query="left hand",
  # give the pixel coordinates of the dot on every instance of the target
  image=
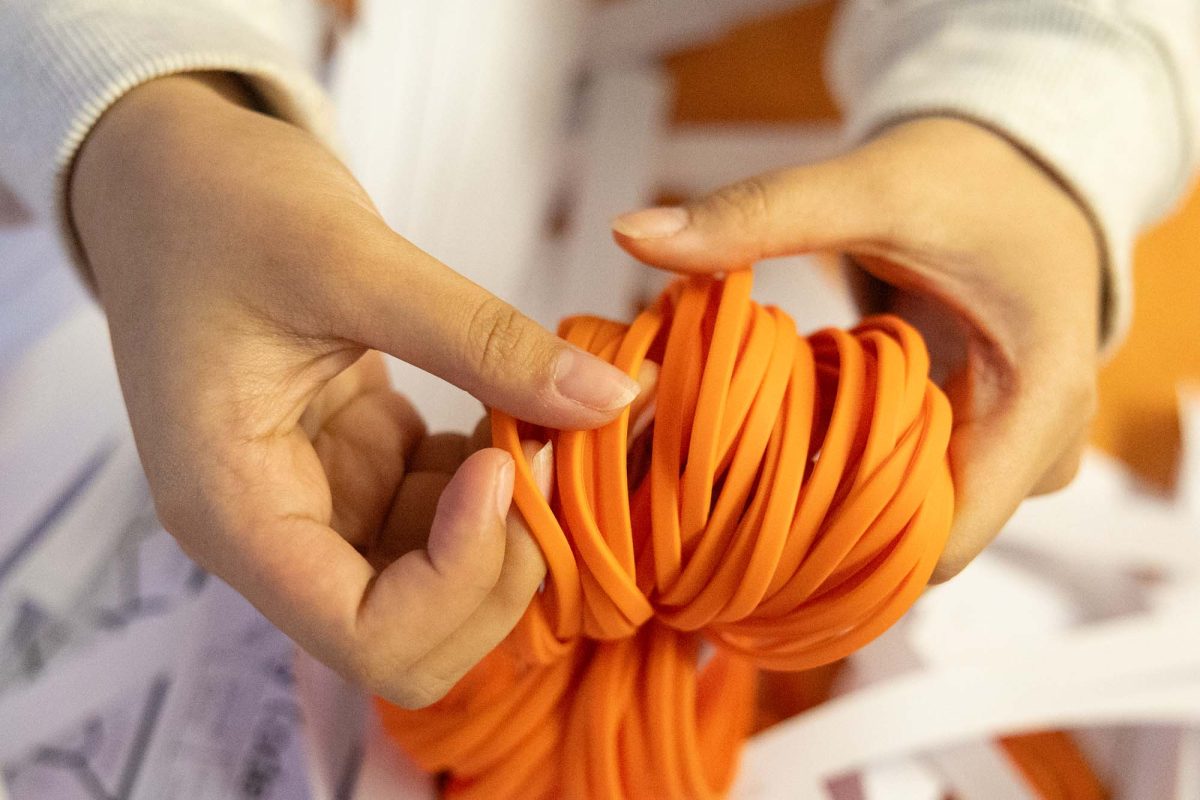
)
(419, 509)
(248, 282)
(984, 250)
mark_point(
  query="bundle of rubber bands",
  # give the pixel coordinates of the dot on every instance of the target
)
(786, 506)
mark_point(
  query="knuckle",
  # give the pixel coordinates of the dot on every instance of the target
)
(1078, 401)
(746, 203)
(376, 673)
(898, 215)
(905, 230)
(320, 265)
(1066, 467)
(496, 336)
(960, 551)
(890, 190)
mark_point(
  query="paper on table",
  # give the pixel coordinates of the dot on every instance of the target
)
(48, 433)
(126, 671)
(205, 712)
(230, 726)
(120, 664)
(1136, 670)
(1094, 595)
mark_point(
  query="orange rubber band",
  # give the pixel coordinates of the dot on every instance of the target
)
(797, 499)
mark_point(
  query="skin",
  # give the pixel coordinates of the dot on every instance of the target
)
(250, 287)
(249, 284)
(975, 243)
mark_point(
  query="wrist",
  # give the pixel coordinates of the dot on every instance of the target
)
(132, 141)
(998, 197)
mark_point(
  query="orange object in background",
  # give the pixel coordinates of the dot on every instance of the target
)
(1053, 766)
(797, 499)
(766, 70)
(1138, 419)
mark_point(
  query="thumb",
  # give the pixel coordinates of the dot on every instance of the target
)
(780, 213)
(426, 314)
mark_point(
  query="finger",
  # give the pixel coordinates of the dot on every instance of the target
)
(373, 626)
(522, 573)
(413, 510)
(641, 410)
(440, 452)
(1003, 449)
(424, 313)
(426, 595)
(430, 469)
(363, 448)
(791, 211)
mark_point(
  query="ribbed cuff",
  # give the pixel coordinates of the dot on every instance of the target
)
(1085, 92)
(63, 64)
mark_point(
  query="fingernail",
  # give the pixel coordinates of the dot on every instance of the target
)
(653, 223)
(542, 466)
(504, 488)
(591, 382)
(644, 418)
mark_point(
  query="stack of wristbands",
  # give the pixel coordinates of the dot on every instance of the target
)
(786, 507)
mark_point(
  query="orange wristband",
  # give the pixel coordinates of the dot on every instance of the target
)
(797, 500)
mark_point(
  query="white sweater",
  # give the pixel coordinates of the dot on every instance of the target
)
(1102, 91)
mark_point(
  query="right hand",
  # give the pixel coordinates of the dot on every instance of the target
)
(246, 278)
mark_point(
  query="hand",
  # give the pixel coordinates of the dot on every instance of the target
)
(246, 278)
(983, 250)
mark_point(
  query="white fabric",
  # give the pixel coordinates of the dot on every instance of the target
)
(63, 63)
(1104, 92)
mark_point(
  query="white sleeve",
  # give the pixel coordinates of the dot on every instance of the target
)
(63, 63)
(1104, 92)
